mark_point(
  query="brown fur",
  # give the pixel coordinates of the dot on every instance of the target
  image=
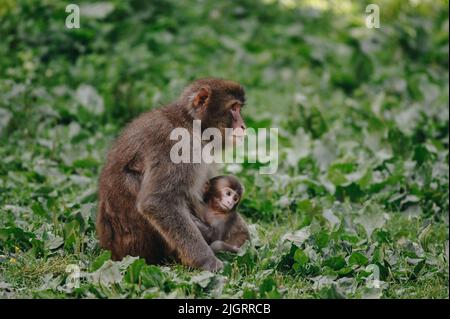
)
(144, 198)
(226, 230)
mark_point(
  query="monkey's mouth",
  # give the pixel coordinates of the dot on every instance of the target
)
(226, 206)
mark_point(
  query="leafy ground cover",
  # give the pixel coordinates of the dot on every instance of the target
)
(359, 205)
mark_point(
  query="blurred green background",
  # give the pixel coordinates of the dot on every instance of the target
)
(363, 121)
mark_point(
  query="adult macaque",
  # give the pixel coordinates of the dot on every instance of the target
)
(145, 199)
(225, 229)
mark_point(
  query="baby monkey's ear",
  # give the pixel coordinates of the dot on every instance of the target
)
(206, 187)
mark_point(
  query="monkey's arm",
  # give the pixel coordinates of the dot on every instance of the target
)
(219, 245)
(206, 230)
(162, 200)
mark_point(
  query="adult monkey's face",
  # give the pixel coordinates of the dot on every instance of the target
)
(218, 104)
(237, 122)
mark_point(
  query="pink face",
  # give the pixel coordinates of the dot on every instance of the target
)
(237, 123)
(229, 198)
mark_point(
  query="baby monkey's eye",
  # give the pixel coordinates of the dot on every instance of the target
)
(236, 198)
(228, 193)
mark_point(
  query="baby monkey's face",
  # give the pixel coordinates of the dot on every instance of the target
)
(228, 198)
(223, 193)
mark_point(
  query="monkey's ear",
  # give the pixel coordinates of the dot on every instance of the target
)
(202, 97)
(206, 187)
(242, 192)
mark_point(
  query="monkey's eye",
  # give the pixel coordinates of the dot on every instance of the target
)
(228, 193)
(236, 198)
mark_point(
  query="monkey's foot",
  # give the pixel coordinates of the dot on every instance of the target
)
(213, 265)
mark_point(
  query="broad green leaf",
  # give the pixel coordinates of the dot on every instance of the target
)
(202, 279)
(300, 257)
(152, 276)
(371, 218)
(133, 271)
(357, 258)
(335, 263)
(100, 260)
(107, 274)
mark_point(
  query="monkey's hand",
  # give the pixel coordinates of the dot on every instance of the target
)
(219, 245)
(206, 230)
(198, 209)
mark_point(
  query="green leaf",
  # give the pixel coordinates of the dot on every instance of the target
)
(107, 274)
(357, 258)
(331, 292)
(38, 209)
(152, 276)
(300, 257)
(54, 242)
(331, 217)
(15, 236)
(5, 119)
(299, 236)
(202, 279)
(133, 271)
(417, 268)
(100, 260)
(88, 97)
(336, 177)
(371, 219)
(71, 233)
(322, 239)
(86, 163)
(425, 237)
(249, 294)
(268, 288)
(335, 263)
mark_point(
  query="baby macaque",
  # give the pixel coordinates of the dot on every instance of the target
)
(221, 226)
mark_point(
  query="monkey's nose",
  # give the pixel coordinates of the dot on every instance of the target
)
(239, 131)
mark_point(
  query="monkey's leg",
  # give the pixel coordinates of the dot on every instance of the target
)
(175, 225)
(162, 201)
(219, 245)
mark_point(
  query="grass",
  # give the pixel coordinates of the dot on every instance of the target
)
(360, 197)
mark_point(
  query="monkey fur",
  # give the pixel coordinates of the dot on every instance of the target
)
(222, 227)
(145, 200)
